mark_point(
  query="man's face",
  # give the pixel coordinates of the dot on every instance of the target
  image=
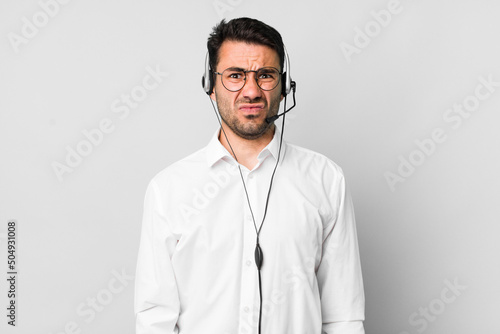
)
(246, 110)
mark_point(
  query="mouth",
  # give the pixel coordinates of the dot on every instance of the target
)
(251, 108)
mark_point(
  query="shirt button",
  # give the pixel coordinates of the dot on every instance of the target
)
(246, 309)
(250, 177)
(249, 263)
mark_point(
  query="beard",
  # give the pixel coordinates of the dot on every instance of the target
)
(253, 127)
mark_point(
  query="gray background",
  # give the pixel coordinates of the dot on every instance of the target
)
(366, 112)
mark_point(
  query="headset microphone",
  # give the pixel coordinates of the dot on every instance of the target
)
(275, 117)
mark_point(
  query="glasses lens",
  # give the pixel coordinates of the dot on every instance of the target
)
(233, 80)
(268, 78)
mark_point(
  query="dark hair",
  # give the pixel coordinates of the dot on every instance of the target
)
(247, 30)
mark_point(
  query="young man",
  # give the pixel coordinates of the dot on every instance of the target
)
(222, 250)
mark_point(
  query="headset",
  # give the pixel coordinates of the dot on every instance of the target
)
(207, 80)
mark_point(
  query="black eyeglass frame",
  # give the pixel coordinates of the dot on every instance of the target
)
(245, 78)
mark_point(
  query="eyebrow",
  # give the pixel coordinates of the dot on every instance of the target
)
(235, 69)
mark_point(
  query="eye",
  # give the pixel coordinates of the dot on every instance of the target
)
(268, 74)
(235, 75)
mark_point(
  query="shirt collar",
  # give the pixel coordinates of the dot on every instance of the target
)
(216, 152)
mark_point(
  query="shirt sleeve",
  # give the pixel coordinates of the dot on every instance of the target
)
(339, 273)
(156, 303)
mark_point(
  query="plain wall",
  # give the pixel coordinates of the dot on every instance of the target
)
(380, 98)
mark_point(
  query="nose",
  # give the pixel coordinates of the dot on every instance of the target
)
(251, 90)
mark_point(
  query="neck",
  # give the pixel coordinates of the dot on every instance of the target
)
(246, 150)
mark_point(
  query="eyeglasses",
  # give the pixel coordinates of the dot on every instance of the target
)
(233, 79)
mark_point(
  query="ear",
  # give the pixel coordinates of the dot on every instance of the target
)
(212, 96)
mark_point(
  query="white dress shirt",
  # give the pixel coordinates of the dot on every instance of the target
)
(196, 272)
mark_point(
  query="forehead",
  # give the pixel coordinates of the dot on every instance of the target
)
(247, 56)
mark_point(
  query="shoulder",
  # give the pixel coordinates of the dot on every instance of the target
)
(181, 169)
(310, 161)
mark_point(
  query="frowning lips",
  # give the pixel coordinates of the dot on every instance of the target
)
(251, 107)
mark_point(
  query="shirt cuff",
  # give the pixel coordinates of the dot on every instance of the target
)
(345, 327)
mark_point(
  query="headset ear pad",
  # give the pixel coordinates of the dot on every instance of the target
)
(283, 84)
(207, 80)
(203, 82)
(211, 82)
(208, 86)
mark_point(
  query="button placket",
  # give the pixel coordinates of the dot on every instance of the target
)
(249, 283)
